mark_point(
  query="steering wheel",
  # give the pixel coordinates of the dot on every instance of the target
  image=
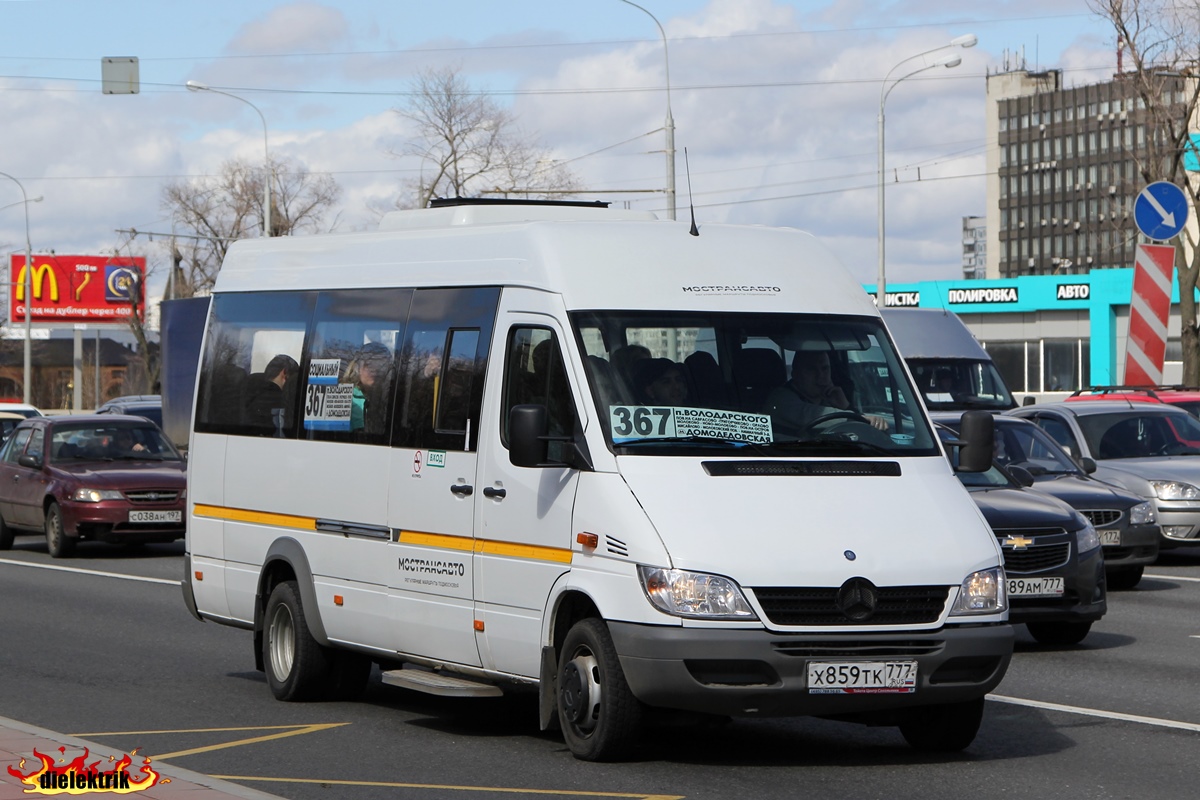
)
(848, 415)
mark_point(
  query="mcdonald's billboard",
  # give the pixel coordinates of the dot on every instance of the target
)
(76, 288)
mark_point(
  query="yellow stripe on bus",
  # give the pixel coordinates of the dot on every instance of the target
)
(443, 541)
(260, 517)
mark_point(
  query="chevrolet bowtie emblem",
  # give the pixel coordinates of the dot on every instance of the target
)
(1017, 542)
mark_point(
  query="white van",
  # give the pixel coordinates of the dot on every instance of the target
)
(548, 447)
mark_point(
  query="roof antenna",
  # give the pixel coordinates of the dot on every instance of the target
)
(694, 231)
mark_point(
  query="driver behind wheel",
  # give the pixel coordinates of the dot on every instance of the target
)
(811, 394)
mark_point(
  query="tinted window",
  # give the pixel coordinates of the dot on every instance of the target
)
(250, 369)
(534, 373)
(350, 364)
(442, 364)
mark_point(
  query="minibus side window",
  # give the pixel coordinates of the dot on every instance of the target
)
(439, 390)
(349, 371)
(250, 370)
(534, 373)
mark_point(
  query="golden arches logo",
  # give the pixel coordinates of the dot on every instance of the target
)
(41, 275)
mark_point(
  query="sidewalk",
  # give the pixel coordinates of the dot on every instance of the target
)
(18, 740)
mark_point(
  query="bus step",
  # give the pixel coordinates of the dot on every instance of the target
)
(439, 683)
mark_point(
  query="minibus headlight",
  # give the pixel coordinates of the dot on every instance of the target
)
(1175, 490)
(1142, 514)
(96, 495)
(1088, 538)
(981, 593)
(694, 594)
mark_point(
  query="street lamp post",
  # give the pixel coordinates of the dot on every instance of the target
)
(669, 126)
(949, 61)
(196, 86)
(28, 291)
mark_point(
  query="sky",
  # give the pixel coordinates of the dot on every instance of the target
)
(775, 101)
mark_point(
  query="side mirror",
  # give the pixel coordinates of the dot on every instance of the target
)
(977, 432)
(1088, 464)
(1029, 400)
(33, 462)
(1020, 475)
(527, 429)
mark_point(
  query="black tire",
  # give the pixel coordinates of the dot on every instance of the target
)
(58, 544)
(1059, 632)
(598, 713)
(6, 536)
(942, 729)
(1125, 578)
(297, 667)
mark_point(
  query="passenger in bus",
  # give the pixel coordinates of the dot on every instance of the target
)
(264, 397)
(661, 381)
(624, 360)
(811, 394)
(371, 375)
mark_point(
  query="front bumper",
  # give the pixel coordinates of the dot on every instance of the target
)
(108, 521)
(1179, 522)
(1084, 598)
(1139, 546)
(760, 673)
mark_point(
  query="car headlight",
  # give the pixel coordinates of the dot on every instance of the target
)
(1175, 490)
(982, 592)
(96, 495)
(1142, 514)
(694, 594)
(1088, 538)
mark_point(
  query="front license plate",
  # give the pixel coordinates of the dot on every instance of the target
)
(155, 516)
(1035, 587)
(862, 677)
(1110, 537)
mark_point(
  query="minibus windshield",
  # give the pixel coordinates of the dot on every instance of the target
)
(674, 382)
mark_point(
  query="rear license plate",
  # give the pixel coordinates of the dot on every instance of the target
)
(1110, 537)
(1035, 587)
(862, 677)
(155, 516)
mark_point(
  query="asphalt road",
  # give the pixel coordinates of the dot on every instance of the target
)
(120, 661)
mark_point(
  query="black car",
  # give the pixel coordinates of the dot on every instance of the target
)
(1052, 556)
(138, 405)
(1126, 523)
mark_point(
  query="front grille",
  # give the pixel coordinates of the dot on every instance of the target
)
(818, 605)
(153, 496)
(1036, 558)
(1099, 517)
(853, 649)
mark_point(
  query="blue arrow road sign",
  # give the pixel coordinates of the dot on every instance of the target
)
(1160, 211)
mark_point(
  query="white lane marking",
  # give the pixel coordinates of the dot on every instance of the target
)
(1171, 578)
(90, 572)
(1095, 712)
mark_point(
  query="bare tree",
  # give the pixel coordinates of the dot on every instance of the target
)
(469, 145)
(221, 209)
(1158, 37)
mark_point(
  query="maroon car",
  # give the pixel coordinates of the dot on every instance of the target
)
(109, 478)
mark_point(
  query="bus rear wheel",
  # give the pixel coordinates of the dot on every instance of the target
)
(297, 666)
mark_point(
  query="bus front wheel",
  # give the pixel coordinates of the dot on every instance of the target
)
(598, 713)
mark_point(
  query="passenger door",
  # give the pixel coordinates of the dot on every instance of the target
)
(523, 528)
(436, 424)
(12, 475)
(28, 486)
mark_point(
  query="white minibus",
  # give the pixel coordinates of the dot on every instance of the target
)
(592, 455)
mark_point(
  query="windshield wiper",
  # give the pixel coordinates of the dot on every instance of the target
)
(712, 441)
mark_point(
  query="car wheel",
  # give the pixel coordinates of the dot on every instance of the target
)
(1059, 632)
(1125, 577)
(598, 713)
(58, 543)
(6, 536)
(942, 729)
(297, 666)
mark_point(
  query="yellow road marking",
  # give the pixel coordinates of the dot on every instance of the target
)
(285, 732)
(495, 789)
